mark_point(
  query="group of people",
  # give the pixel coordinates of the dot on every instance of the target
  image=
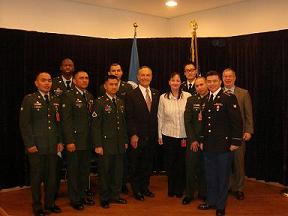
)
(201, 126)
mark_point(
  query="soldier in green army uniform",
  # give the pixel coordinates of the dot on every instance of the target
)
(39, 125)
(195, 177)
(61, 84)
(76, 110)
(123, 88)
(110, 141)
(64, 82)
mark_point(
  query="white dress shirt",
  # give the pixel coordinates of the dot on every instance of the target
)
(143, 90)
(171, 116)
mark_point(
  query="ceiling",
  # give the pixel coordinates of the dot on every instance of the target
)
(158, 8)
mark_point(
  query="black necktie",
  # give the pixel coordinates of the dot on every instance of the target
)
(114, 102)
(68, 84)
(46, 98)
(85, 96)
(210, 98)
(190, 86)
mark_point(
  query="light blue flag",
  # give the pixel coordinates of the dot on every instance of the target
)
(134, 62)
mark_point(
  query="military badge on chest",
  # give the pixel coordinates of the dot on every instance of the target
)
(218, 106)
(37, 105)
(78, 103)
(108, 108)
(58, 91)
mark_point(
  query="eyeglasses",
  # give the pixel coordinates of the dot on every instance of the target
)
(190, 70)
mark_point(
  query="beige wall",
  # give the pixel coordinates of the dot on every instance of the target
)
(60, 16)
(242, 18)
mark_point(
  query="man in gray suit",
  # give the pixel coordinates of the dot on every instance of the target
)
(244, 101)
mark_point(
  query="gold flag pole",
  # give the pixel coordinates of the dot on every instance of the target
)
(135, 25)
(194, 46)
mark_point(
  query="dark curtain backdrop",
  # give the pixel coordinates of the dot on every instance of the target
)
(261, 62)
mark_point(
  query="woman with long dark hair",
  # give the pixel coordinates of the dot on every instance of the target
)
(171, 133)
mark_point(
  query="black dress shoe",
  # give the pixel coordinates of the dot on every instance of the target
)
(148, 193)
(179, 195)
(220, 212)
(39, 212)
(124, 189)
(239, 195)
(54, 209)
(284, 192)
(186, 200)
(205, 206)
(88, 202)
(119, 201)
(77, 206)
(104, 204)
(139, 196)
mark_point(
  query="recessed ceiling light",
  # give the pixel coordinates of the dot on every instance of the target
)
(171, 3)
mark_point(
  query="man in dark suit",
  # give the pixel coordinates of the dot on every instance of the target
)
(195, 176)
(77, 105)
(109, 135)
(123, 88)
(62, 84)
(190, 72)
(141, 112)
(245, 104)
(39, 125)
(221, 135)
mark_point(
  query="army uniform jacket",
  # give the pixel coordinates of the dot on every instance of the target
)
(58, 86)
(124, 88)
(39, 123)
(109, 126)
(76, 118)
(193, 117)
(222, 123)
(185, 87)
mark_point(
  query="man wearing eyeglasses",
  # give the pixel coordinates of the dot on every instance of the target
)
(190, 73)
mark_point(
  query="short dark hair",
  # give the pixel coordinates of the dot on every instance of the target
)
(200, 77)
(189, 63)
(213, 73)
(78, 71)
(114, 64)
(69, 59)
(40, 72)
(108, 77)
